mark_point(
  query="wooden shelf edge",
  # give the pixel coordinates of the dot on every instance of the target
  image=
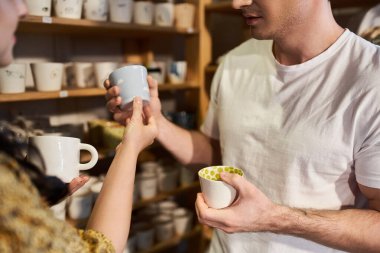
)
(39, 95)
(73, 93)
(84, 26)
(211, 69)
(173, 241)
(164, 195)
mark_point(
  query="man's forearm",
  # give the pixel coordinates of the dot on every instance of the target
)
(350, 230)
(188, 147)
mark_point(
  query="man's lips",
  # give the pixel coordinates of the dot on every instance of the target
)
(252, 20)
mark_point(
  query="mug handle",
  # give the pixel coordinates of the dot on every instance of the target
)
(94, 156)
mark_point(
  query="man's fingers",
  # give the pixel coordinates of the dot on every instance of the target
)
(236, 181)
(112, 92)
(153, 86)
(113, 105)
(209, 216)
(107, 84)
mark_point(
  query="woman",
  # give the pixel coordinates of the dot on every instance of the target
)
(26, 223)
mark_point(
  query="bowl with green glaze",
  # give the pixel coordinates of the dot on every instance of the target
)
(217, 194)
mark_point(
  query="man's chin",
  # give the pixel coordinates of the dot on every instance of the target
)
(259, 35)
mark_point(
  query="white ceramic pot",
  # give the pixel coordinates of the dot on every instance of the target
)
(68, 8)
(47, 76)
(121, 11)
(96, 10)
(39, 7)
(12, 78)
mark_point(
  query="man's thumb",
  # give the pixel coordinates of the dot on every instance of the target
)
(235, 180)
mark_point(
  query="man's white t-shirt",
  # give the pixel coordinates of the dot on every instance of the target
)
(303, 134)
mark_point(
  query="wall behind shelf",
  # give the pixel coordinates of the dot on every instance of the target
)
(66, 48)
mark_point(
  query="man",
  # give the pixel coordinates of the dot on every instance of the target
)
(297, 108)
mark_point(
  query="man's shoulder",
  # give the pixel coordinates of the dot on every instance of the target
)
(363, 46)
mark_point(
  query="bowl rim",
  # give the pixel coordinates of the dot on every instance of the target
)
(223, 166)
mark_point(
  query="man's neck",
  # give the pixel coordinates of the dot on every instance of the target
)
(307, 40)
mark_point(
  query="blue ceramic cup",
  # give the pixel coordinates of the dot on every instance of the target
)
(132, 82)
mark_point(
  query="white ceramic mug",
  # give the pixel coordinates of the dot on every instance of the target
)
(132, 82)
(121, 11)
(68, 8)
(47, 76)
(164, 14)
(96, 10)
(39, 7)
(143, 12)
(60, 155)
(12, 78)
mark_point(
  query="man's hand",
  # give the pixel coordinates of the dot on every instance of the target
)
(252, 211)
(114, 101)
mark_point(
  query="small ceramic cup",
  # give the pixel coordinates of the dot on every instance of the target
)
(217, 193)
(183, 219)
(68, 8)
(84, 74)
(47, 76)
(132, 82)
(147, 185)
(12, 78)
(39, 7)
(102, 70)
(164, 14)
(121, 11)
(184, 15)
(164, 227)
(143, 12)
(177, 72)
(96, 10)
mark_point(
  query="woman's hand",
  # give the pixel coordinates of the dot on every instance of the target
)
(77, 183)
(114, 101)
(141, 129)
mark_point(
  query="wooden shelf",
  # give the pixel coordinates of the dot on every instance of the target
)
(164, 195)
(211, 69)
(72, 93)
(39, 95)
(173, 241)
(37, 24)
(353, 3)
